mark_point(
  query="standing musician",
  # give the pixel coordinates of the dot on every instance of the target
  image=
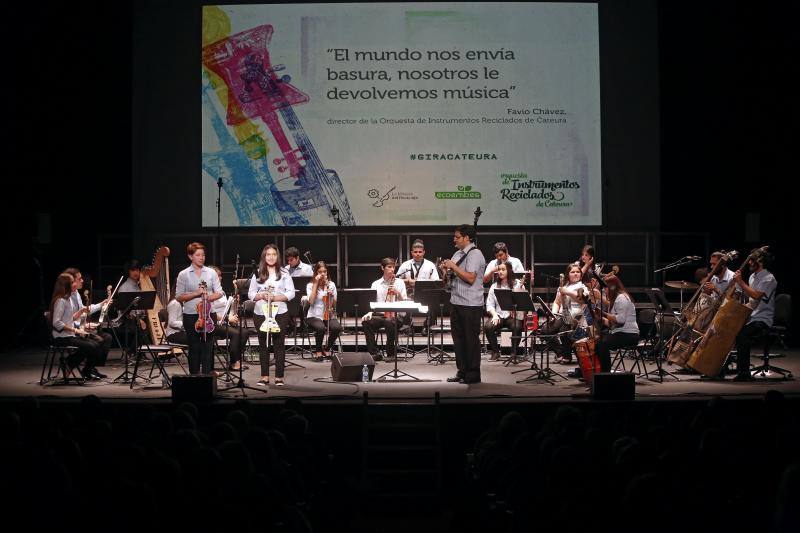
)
(321, 293)
(466, 300)
(102, 339)
(500, 252)
(417, 268)
(271, 283)
(621, 321)
(389, 289)
(294, 266)
(189, 292)
(228, 326)
(499, 317)
(760, 291)
(65, 333)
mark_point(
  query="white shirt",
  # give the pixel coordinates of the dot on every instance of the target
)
(62, 316)
(494, 264)
(572, 309)
(130, 286)
(317, 309)
(77, 305)
(382, 287)
(625, 315)
(721, 284)
(174, 317)
(284, 286)
(763, 309)
(188, 281)
(301, 269)
(425, 271)
(493, 305)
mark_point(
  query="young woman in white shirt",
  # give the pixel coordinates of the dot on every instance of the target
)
(500, 318)
(321, 294)
(620, 320)
(273, 283)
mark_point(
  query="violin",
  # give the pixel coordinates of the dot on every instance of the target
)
(204, 324)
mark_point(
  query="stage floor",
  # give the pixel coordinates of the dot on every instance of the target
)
(20, 372)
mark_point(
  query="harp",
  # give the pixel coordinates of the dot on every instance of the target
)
(155, 277)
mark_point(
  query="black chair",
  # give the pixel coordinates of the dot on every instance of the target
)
(777, 333)
(63, 353)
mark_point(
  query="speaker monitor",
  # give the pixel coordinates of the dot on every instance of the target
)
(199, 388)
(614, 386)
(348, 366)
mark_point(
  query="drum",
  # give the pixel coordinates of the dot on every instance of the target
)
(587, 360)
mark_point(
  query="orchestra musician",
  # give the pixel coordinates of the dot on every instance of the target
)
(466, 300)
(228, 325)
(500, 318)
(174, 330)
(189, 292)
(321, 294)
(719, 282)
(64, 332)
(500, 252)
(569, 303)
(620, 319)
(294, 266)
(82, 312)
(271, 283)
(417, 268)
(759, 290)
(127, 329)
(389, 288)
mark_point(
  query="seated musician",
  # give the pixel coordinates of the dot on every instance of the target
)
(501, 318)
(760, 291)
(174, 330)
(719, 282)
(271, 283)
(81, 314)
(126, 331)
(568, 308)
(620, 319)
(570, 304)
(228, 326)
(501, 256)
(417, 268)
(64, 332)
(389, 289)
(321, 293)
(294, 266)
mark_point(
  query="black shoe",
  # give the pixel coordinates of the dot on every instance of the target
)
(494, 356)
(575, 373)
(96, 373)
(455, 379)
(377, 357)
(87, 374)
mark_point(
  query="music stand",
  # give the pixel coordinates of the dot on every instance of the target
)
(242, 288)
(662, 307)
(543, 370)
(354, 299)
(431, 294)
(395, 374)
(130, 301)
(520, 302)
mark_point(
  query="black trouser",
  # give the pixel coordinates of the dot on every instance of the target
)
(465, 322)
(319, 327)
(236, 340)
(179, 337)
(561, 345)
(752, 332)
(88, 351)
(373, 325)
(200, 351)
(612, 341)
(508, 322)
(278, 343)
(103, 341)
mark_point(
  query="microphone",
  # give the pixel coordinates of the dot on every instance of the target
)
(694, 257)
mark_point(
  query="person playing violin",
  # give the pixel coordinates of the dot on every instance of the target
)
(321, 294)
(192, 283)
(271, 283)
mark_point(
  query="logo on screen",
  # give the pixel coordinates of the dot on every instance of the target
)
(463, 192)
